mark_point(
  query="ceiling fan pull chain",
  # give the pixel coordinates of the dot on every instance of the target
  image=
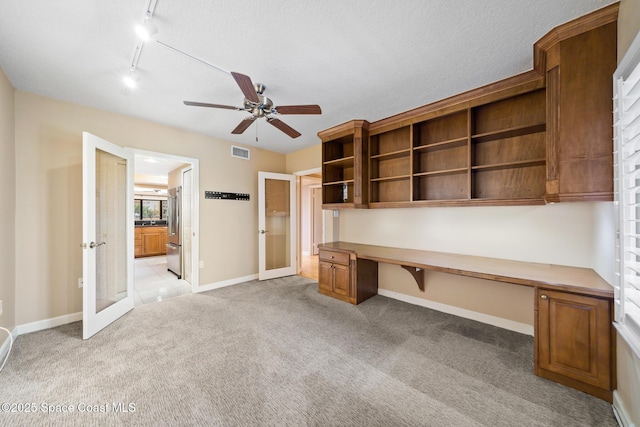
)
(256, 132)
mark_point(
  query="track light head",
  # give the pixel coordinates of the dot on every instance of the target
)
(147, 30)
(130, 80)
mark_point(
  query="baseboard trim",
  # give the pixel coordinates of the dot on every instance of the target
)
(4, 348)
(48, 323)
(511, 325)
(225, 283)
(621, 413)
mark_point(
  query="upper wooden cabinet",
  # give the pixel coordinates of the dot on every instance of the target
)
(344, 173)
(541, 136)
(579, 60)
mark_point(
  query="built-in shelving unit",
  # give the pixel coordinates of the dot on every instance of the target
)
(538, 137)
(389, 166)
(342, 171)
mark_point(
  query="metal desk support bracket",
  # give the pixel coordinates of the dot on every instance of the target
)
(418, 274)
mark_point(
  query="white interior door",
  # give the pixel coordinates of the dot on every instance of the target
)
(276, 225)
(107, 232)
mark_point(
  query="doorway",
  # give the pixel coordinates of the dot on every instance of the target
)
(311, 221)
(156, 175)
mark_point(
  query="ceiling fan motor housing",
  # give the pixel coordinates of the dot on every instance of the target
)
(265, 106)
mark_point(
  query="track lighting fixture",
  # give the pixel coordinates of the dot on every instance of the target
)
(147, 29)
(130, 80)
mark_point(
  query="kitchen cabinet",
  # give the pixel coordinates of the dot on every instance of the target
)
(574, 341)
(150, 241)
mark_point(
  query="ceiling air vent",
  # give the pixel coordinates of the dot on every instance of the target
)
(239, 152)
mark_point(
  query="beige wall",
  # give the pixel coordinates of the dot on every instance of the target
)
(628, 392)
(559, 234)
(305, 159)
(48, 136)
(8, 205)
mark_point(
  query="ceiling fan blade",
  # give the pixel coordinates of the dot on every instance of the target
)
(284, 127)
(243, 125)
(204, 104)
(246, 86)
(299, 109)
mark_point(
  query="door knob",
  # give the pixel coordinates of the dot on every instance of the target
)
(95, 245)
(263, 231)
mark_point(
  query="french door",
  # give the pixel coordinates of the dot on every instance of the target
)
(107, 232)
(276, 225)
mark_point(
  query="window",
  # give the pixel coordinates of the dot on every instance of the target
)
(144, 209)
(626, 82)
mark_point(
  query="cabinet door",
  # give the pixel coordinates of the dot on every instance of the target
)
(341, 282)
(575, 337)
(325, 276)
(151, 243)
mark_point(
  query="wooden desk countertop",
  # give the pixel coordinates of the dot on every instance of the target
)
(550, 276)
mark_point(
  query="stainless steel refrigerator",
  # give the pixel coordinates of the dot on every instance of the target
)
(174, 238)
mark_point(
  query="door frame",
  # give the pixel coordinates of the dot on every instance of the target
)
(299, 174)
(195, 215)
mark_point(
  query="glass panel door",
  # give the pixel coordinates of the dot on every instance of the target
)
(107, 233)
(277, 225)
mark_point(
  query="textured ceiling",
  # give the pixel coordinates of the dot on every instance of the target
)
(366, 59)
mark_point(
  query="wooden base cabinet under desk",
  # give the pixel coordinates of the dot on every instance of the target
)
(346, 278)
(574, 341)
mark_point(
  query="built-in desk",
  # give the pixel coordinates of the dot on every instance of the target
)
(574, 341)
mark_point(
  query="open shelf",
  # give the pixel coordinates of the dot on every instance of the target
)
(390, 142)
(347, 181)
(441, 186)
(441, 130)
(340, 162)
(508, 182)
(509, 133)
(510, 165)
(451, 143)
(442, 172)
(397, 189)
(392, 155)
(390, 178)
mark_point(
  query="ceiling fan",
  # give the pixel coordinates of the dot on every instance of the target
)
(260, 106)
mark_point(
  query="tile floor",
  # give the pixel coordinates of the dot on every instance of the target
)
(154, 283)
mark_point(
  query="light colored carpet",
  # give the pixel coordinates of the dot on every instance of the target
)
(279, 353)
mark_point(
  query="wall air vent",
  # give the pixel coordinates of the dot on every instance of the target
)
(239, 152)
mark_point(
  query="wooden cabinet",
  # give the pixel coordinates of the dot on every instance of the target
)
(344, 173)
(580, 120)
(150, 241)
(342, 276)
(574, 341)
(137, 242)
(538, 137)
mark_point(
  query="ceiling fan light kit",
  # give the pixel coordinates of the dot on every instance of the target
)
(260, 106)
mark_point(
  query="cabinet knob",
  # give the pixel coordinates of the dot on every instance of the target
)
(543, 296)
(331, 257)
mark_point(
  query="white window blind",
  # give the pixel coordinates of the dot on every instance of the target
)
(627, 201)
